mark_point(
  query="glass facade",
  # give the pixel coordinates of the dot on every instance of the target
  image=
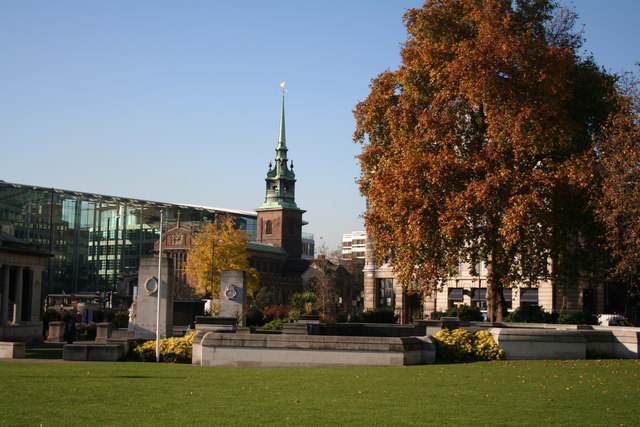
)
(93, 238)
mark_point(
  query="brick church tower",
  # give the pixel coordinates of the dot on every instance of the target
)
(279, 218)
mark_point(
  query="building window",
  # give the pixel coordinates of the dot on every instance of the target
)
(508, 298)
(385, 293)
(268, 228)
(528, 296)
(479, 298)
(456, 295)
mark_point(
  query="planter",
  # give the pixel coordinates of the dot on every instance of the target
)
(309, 318)
(215, 324)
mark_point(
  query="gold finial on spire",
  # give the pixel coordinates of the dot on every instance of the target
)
(283, 85)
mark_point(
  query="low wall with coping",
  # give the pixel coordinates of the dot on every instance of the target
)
(224, 349)
(540, 344)
(11, 350)
(552, 341)
(27, 332)
(93, 352)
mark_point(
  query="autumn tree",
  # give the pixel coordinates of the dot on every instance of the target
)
(619, 166)
(322, 283)
(219, 246)
(478, 147)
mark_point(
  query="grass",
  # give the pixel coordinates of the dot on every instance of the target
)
(44, 352)
(588, 392)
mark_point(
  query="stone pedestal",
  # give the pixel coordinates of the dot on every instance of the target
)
(233, 296)
(56, 332)
(103, 332)
(144, 313)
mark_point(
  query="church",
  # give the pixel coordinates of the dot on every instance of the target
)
(277, 251)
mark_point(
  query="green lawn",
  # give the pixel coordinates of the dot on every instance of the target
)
(537, 393)
(44, 352)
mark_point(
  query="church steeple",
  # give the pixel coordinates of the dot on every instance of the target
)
(280, 180)
(281, 148)
(279, 218)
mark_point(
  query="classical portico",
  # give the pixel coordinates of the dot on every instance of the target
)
(21, 271)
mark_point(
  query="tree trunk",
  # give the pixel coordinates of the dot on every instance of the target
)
(496, 308)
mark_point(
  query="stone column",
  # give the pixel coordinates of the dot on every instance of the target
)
(35, 285)
(4, 302)
(17, 300)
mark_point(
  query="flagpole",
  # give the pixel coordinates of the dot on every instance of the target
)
(158, 290)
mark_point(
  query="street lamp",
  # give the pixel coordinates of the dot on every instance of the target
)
(158, 295)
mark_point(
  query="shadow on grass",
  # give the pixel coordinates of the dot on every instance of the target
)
(44, 353)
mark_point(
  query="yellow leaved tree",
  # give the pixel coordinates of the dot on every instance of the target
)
(219, 246)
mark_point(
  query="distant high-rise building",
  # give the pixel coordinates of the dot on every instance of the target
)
(354, 245)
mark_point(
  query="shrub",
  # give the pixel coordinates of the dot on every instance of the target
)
(274, 325)
(376, 316)
(436, 315)
(341, 317)
(531, 314)
(277, 312)
(85, 332)
(120, 320)
(465, 313)
(327, 318)
(172, 350)
(300, 301)
(255, 317)
(579, 318)
(461, 345)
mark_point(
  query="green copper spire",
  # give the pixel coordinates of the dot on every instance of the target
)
(281, 149)
(280, 176)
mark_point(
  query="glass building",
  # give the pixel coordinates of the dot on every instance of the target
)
(95, 239)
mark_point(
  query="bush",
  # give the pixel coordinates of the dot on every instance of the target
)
(85, 332)
(376, 316)
(461, 345)
(341, 317)
(276, 312)
(172, 350)
(274, 325)
(579, 318)
(531, 314)
(255, 317)
(300, 301)
(120, 320)
(436, 315)
(465, 313)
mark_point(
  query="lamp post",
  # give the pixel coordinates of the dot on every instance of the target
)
(158, 290)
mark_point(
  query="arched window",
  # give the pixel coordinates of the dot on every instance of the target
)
(268, 228)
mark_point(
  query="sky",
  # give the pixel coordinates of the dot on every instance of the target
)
(179, 101)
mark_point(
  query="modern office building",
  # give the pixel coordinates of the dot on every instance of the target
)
(95, 239)
(354, 245)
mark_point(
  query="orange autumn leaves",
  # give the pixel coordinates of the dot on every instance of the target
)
(470, 147)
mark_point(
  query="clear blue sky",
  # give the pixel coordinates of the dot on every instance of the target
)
(178, 101)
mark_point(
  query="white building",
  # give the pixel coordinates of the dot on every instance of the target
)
(354, 245)
(382, 290)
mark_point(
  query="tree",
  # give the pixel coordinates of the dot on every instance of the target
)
(619, 166)
(322, 283)
(217, 247)
(479, 146)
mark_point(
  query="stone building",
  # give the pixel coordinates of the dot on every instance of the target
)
(383, 291)
(22, 271)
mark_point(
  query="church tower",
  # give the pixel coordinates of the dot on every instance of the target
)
(279, 218)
